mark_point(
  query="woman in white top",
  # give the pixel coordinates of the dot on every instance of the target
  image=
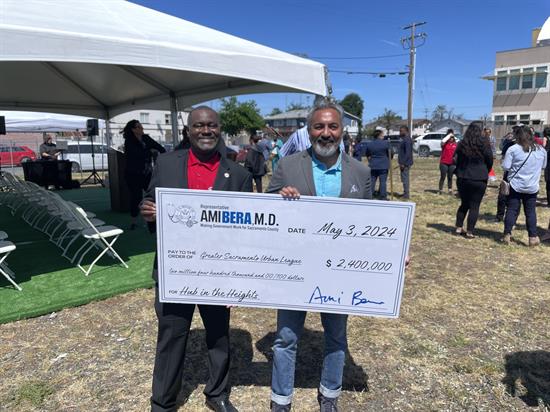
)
(524, 162)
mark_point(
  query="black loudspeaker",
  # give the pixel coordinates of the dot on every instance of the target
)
(92, 127)
(2, 125)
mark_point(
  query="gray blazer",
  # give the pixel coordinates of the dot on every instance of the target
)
(297, 171)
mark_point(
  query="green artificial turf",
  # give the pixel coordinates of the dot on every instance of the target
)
(50, 282)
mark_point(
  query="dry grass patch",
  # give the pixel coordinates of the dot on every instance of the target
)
(473, 335)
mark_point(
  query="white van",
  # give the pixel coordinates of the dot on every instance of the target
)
(80, 154)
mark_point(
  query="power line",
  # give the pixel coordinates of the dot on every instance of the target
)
(356, 57)
(380, 74)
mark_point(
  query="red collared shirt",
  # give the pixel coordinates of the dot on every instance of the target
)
(201, 175)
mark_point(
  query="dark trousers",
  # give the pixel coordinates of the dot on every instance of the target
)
(515, 199)
(258, 183)
(548, 192)
(446, 171)
(471, 193)
(405, 180)
(501, 201)
(137, 183)
(174, 322)
(381, 174)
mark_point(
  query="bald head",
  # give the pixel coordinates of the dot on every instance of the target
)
(197, 109)
(204, 130)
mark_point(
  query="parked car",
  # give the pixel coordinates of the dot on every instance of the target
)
(15, 155)
(80, 154)
(232, 151)
(395, 141)
(430, 143)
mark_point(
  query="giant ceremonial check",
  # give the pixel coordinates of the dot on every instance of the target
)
(260, 250)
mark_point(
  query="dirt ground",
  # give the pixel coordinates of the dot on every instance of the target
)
(473, 335)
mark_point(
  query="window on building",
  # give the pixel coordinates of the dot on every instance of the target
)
(144, 117)
(292, 122)
(524, 118)
(502, 80)
(513, 82)
(536, 122)
(278, 123)
(527, 78)
(540, 78)
(167, 119)
(499, 120)
(511, 119)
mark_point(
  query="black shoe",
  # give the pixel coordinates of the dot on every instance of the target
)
(220, 405)
(275, 407)
(327, 404)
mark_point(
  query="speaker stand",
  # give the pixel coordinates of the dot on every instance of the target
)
(94, 175)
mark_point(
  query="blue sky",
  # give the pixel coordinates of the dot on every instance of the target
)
(463, 36)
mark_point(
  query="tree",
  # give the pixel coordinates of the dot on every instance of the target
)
(352, 103)
(440, 113)
(388, 119)
(295, 106)
(236, 116)
(275, 111)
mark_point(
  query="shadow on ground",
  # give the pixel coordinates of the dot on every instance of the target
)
(531, 370)
(489, 234)
(247, 372)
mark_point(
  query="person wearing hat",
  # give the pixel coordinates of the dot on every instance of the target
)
(48, 149)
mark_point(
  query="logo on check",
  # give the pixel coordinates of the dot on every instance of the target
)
(182, 214)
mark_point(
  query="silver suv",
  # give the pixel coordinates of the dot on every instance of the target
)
(428, 144)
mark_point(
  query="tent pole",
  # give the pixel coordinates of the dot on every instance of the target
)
(108, 135)
(174, 118)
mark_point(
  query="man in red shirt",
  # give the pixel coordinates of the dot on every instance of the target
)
(204, 166)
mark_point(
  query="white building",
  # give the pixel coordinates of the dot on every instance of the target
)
(156, 123)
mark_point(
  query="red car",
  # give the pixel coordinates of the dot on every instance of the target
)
(15, 155)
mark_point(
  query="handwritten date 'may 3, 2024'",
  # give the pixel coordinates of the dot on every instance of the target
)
(380, 232)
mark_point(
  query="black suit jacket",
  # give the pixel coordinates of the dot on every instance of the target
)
(171, 171)
(138, 155)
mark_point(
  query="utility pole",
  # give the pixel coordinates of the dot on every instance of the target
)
(409, 43)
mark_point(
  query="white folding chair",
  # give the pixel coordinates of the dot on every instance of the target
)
(6, 247)
(97, 237)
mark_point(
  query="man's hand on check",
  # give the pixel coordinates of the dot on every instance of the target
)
(148, 211)
(289, 193)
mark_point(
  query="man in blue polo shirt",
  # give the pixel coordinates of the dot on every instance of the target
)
(322, 170)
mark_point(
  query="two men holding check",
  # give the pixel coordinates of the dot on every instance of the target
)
(322, 170)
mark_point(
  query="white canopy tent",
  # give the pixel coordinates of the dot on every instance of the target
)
(45, 123)
(105, 57)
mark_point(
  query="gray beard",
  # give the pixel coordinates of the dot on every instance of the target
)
(324, 151)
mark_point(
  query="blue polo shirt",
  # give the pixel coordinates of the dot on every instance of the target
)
(328, 182)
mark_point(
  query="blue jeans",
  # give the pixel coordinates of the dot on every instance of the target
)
(515, 199)
(290, 325)
(381, 174)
